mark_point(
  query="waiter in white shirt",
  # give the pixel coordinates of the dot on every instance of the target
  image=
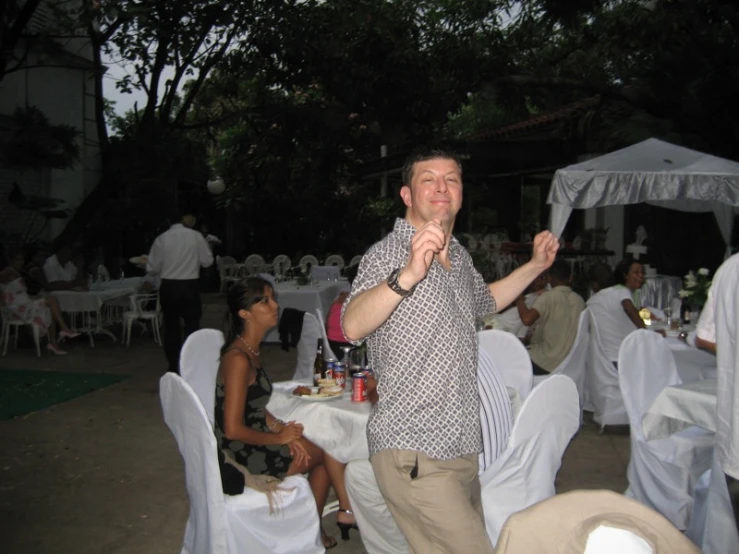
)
(177, 256)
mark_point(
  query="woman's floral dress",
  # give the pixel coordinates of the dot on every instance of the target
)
(19, 306)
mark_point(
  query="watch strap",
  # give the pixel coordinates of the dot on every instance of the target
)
(392, 282)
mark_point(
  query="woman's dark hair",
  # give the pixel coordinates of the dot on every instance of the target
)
(623, 267)
(241, 296)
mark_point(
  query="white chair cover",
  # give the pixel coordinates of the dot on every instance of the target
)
(574, 363)
(305, 260)
(222, 524)
(335, 260)
(662, 473)
(380, 534)
(281, 264)
(309, 336)
(511, 359)
(602, 381)
(524, 473)
(199, 361)
(327, 352)
(496, 415)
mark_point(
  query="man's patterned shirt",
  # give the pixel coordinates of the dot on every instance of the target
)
(425, 354)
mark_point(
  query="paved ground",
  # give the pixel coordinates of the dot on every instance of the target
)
(101, 473)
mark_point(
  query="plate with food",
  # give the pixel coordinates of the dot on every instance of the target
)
(139, 260)
(318, 394)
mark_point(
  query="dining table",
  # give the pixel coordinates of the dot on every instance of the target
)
(317, 295)
(88, 304)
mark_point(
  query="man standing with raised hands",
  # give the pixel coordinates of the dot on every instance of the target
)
(415, 301)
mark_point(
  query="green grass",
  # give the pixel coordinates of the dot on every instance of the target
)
(22, 391)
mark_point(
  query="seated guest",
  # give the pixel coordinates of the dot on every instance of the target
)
(35, 277)
(556, 314)
(60, 269)
(247, 434)
(509, 319)
(334, 333)
(613, 307)
(42, 313)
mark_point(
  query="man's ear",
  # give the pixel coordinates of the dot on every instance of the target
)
(405, 194)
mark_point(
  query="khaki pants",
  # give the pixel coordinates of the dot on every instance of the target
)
(439, 510)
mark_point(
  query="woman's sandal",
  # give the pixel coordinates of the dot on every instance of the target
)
(63, 334)
(345, 527)
(327, 540)
(56, 350)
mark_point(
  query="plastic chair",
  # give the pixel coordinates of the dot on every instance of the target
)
(199, 361)
(309, 336)
(140, 312)
(305, 261)
(496, 414)
(254, 264)
(601, 378)
(355, 260)
(511, 359)
(280, 265)
(102, 273)
(227, 267)
(524, 472)
(335, 260)
(224, 524)
(662, 473)
(574, 363)
(10, 321)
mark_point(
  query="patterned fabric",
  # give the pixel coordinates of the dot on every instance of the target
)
(425, 354)
(21, 307)
(273, 459)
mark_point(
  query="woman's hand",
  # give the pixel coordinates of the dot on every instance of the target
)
(290, 432)
(299, 452)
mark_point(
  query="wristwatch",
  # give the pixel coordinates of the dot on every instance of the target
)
(392, 282)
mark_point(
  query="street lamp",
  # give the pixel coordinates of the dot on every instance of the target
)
(216, 186)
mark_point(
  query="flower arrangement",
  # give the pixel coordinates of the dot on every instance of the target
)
(696, 288)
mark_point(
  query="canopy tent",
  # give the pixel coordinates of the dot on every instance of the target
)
(652, 171)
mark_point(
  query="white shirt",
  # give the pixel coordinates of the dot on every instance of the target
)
(55, 271)
(613, 323)
(178, 254)
(718, 323)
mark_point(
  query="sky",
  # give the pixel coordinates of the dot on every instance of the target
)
(123, 101)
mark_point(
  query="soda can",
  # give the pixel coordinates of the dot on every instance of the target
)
(340, 374)
(359, 387)
(330, 365)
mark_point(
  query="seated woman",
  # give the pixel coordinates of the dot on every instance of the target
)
(43, 313)
(334, 333)
(246, 431)
(613, 307)
(35, 278)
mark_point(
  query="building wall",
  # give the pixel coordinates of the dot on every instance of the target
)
(66, 96)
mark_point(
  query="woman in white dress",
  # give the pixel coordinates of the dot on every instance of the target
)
(43, 313)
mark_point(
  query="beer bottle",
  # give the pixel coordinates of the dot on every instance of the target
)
(319, 366)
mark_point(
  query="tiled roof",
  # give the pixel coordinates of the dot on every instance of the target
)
(538, 121)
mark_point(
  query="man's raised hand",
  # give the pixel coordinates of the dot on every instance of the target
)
(428, 241)
(545, 249)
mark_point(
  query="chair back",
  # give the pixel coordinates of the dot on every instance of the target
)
(335, 260)
(496, 416)
(574, 363)
(524, 472)
(645, 367)
(355, 260)
(254, 264)
(305, 261)
(326, 347)
(226, 260)
(309, 336)
(186, 418)
(601, 378)
(140, 303)
(102, 273)
(510, 357)
(280, 265)
(199, 362)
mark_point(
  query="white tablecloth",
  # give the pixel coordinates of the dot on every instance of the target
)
(677, 408)
(339, 426)
(307, 298)
(91, 300)
(658, 291)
